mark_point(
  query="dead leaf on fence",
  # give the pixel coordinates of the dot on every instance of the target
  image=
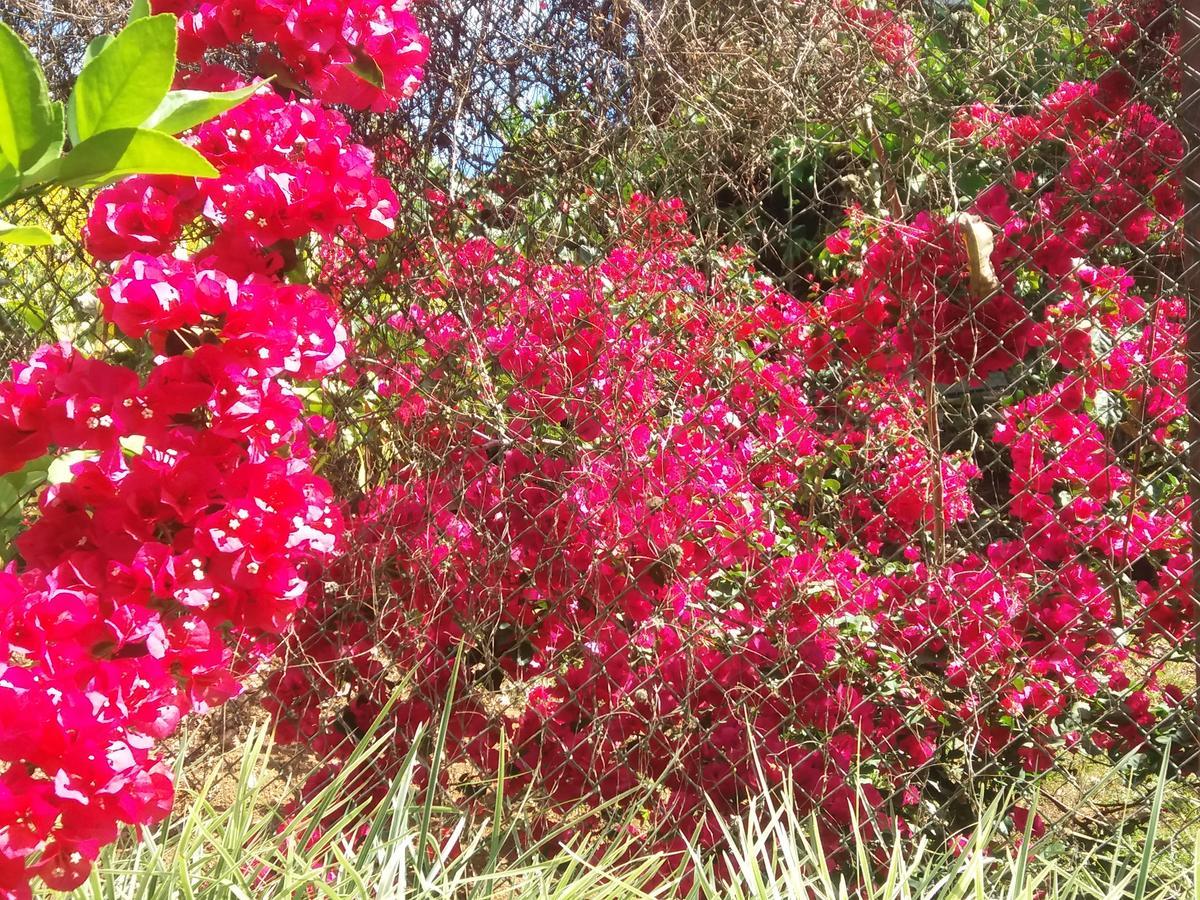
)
(979, 239)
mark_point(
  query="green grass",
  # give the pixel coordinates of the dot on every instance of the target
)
(404, 846)
(338, 847)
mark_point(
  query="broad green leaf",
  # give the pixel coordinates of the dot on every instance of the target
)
(9, 180)
(26, 235)
(123, 85)
(181, 110)
(11, 514)
(128, 151)
(15, 488)
(94, 48)
(139, 10)
(26, 126)
(29, 477)
(58, 136)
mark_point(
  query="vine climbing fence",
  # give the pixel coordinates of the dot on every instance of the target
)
(749, 396)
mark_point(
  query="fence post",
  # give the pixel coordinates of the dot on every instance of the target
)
(1189, 124)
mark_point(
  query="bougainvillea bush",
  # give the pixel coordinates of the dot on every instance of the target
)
(643, 522)
(699, 537)
(173, 557)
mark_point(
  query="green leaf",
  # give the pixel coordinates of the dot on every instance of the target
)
(9, 180)
(139, 10)
(366, 69)
(128, 151)
(25, 235)
(26, 124)
(58, 136)
(15, 489)
(95, 47)
(181, 110)
(123, 85)
(16, 486)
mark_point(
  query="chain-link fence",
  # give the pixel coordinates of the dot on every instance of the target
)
(760, 394)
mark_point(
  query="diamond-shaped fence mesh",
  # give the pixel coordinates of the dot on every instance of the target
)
(758, 395)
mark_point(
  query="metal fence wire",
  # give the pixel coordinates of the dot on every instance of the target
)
(758, 395)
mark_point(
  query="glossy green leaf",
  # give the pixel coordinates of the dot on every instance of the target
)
(128, 151)
(9, 180)
(181, 110)
(139, 10)
(26, 125)
(15, 488)
(26, 235)
(30, 476)
(58, 136)
(124, 84)
(95, 47)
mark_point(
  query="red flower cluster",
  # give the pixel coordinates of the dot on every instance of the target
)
(914, 301)
(710, 539)
(365, 53)
(1142, 34)
(188, 527)
(1110, 192)
(619, 507)
(177, 551)
(700, 523)
(287, 169)
(885, 31)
